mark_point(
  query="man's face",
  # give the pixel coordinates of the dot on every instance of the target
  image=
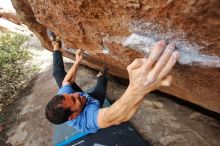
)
(75, 102)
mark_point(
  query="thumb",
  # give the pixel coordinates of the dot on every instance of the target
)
(167, 81)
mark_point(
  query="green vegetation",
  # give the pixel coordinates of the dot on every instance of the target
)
(14, 70)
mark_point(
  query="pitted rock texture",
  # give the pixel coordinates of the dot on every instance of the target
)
(116, 32)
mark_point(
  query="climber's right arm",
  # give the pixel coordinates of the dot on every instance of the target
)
(145, 75)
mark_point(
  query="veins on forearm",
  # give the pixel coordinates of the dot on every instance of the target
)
(123, 109)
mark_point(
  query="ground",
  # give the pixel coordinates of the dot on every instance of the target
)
(161, 120)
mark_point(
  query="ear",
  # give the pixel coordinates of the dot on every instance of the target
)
(73, 116)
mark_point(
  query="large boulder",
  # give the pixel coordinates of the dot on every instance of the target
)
(115, 32)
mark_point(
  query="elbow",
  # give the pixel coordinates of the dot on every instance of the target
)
(118, 123)
(65, 81)
(121, 120)
(125, 120)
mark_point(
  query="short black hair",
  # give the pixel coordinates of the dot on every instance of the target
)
(55, 113)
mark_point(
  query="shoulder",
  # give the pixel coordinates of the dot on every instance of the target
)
(87, 121)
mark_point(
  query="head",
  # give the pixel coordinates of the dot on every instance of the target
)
(64, 107)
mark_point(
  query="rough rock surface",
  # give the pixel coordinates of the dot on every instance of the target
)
(115, 32)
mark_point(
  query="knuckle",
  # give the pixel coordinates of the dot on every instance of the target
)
(162, 74)
(145, 59)
(151, 78)
(128, 68)
(170, 48)
(137, 60)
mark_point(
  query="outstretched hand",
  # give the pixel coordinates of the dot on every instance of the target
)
(79, 55)
(148, 74)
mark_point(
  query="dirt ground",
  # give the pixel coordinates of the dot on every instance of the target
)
(161, 120)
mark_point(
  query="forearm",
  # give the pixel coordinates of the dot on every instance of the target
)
(122, 110)
(71, 75)
(125, 105)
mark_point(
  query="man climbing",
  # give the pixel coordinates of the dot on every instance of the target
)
(71, 103)
(84, 111)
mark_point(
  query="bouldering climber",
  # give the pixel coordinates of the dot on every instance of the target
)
(84, 111)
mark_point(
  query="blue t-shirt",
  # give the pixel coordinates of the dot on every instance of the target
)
(87, 120)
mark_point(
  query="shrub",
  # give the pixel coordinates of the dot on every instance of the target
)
(13, 71)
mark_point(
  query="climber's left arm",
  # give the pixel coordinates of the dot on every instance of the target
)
(71, 75)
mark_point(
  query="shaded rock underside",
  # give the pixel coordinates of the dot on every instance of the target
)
(116, 32)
